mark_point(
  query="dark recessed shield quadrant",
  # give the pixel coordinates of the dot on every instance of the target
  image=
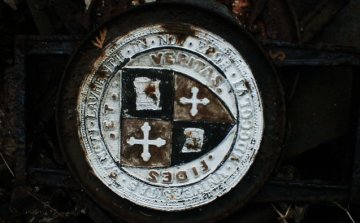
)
(192, 140)
(147, 93)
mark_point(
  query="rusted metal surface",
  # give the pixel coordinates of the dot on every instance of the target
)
(205, 107)
(148, 140)
(284, 54)
(39, 179)
(205, 103)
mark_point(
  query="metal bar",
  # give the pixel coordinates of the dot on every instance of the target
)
(24, 46)
(287, 54)
(282, 191)
(273, 191)
(16, 103)
(52, 178)
(295, 55)
(60, 45)
(355, 185)
(317, 18)
(282, 53)
(16, 100)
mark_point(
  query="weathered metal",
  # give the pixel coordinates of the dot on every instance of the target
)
(38, 177)
(17, 101)
(314, 20)
(302, 191)
(178, 73)
(17, 88)
(193, 104)
(146, 141)
(288, 54)
(355, 182)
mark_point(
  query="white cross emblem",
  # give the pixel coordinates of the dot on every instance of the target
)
(194, 101)
(146, 142)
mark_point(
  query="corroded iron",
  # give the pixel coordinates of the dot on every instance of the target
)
(152, 123)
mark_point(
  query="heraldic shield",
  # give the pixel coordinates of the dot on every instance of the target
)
(168, 119)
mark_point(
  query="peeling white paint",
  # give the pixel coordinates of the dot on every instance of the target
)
(183, 186)
(194, 140)
(144, 101)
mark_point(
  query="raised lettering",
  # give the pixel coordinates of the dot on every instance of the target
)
(204, 166)
(181, 176)
(153, 176)
(194, 170)
(156, 58)
(167, 177)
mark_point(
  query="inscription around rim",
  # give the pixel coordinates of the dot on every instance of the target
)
(196, 182)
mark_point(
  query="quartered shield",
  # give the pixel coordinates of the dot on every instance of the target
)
(164, 118)
(168, 118)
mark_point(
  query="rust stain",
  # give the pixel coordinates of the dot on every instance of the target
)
(210, 51)
(131, 154)
(183, 32)
(195, 143)
(183, 29)
(92, 86)
(181, 39)
(278, 55)
(247, 85)
(150, 92)
(215, 111)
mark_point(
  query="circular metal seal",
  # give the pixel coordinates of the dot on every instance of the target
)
(170, 121)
